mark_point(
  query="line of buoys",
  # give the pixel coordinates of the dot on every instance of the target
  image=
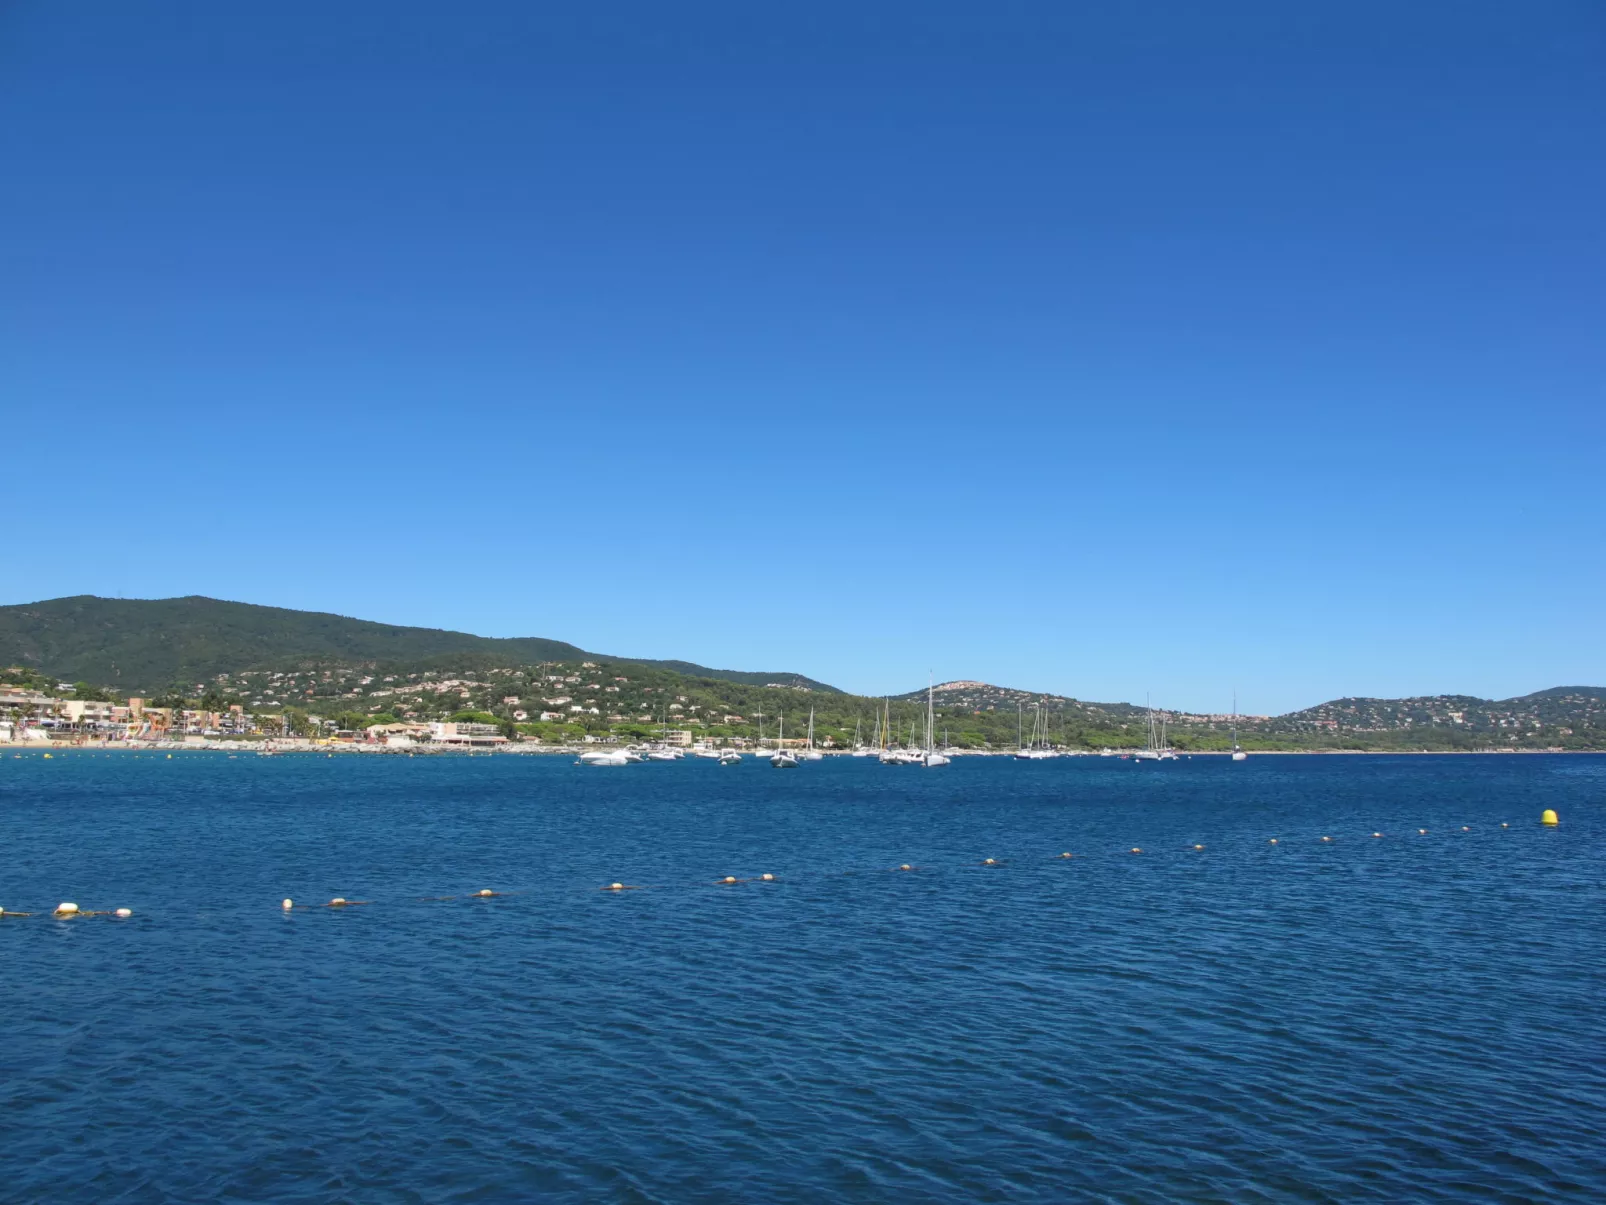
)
(68, 909)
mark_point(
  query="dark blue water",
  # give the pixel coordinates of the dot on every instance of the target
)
(1407, 1017)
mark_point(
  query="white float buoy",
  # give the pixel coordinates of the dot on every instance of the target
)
(337, 901)
(125, 913)
(906, 866)
(988, 862)
(287, 904)
(768, 878)
(485, 891)
(66, 909)
(730, 878)
(616, 886)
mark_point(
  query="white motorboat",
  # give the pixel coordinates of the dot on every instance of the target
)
(604, 757)
(730, 758)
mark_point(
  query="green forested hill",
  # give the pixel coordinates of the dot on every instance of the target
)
(134, 645)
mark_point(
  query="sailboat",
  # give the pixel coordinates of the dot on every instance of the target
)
(1151, 750)
(810, 753)
(1237, 753)
(1039, 748)
(782, 759)
(904, 756)
(932, 758)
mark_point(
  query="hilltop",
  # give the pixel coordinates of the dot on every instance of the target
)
(147, 645)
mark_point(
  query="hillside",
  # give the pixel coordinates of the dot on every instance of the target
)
(148, 645)
(269, 660)
(1563, 709)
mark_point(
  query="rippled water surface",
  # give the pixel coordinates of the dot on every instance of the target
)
(1405, 1017)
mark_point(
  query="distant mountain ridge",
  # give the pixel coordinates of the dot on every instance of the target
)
(148, 644)
(1558, 707)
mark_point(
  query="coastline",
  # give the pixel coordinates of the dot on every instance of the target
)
(531, 749)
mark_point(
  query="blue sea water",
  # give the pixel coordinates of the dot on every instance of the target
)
(1404, 1017)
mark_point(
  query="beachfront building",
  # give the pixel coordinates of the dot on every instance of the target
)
(465, 735)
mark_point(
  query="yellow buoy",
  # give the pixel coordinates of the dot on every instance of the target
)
(50, 755)
(1548, 816)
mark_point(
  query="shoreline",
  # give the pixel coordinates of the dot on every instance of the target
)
(286, 748)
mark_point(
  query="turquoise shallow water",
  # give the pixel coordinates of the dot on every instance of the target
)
(1407, 1017)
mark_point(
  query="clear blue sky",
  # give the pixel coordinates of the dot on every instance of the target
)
(1097, 348)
